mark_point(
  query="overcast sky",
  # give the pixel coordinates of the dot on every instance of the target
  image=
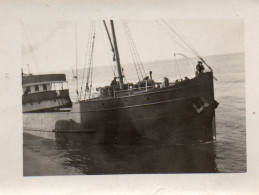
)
(50, 47)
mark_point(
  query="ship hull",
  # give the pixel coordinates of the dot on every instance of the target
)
(183, 113)
(176, 114)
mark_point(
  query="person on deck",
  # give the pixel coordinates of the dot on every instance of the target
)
(166, 82)
(114, 82)
(199, 68)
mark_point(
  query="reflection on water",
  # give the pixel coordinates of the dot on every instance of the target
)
(74, 152)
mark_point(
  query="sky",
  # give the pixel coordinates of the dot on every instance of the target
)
(56, 46)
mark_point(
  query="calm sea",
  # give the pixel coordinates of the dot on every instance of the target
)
(228, 154)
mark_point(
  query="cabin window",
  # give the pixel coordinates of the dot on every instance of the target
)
(36, 87)
(28, 89)
(44, 87)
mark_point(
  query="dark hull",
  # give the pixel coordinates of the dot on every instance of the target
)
(182, 113)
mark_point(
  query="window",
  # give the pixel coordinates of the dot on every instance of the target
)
(44, 87)
(28, 89)
(36, 87)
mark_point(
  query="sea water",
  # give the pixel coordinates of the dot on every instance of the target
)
(71, 154)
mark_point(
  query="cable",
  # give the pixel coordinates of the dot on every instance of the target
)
(86, 55)
(76, 60)
(135, 55)
(170, 36)
(132, 53)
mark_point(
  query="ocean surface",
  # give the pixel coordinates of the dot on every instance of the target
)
(71, 155)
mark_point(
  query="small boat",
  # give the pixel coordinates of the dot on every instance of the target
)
(182, 111)
(41, 95)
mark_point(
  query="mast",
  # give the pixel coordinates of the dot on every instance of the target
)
(117, 53)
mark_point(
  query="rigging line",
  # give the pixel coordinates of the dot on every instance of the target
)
(192, 48)
(170, 36)
(132, 53)
(76, 60)
(87, 50)
(106, 50)
(133, 57)
(141, 64)
(180, 37)
(136, 51)
(91, 79)
(188, 59)
(88, 56)
(83, 73)
(137, 67)
(90, 64)
(185, 38)
(91, 59)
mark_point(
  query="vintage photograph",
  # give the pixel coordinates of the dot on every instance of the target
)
(133, 97)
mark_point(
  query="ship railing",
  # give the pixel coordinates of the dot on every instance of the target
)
(129, 91)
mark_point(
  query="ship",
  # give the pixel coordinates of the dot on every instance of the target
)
(182, 111)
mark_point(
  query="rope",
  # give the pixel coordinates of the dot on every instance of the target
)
(135, 55)
(90, 64)
(189, 45)
(193, 50)
(170, 36)
(136, 51)
(132, 52)
(185, 39)
(87, 51)
(76, 61)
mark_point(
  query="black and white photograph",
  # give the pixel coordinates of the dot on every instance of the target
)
(157, 96)
(129, 97)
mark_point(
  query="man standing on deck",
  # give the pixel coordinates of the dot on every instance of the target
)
(114, 82)
(199, 68)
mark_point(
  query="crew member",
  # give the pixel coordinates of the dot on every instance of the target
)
(114, 82)
(166, 82)
(199, 68)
